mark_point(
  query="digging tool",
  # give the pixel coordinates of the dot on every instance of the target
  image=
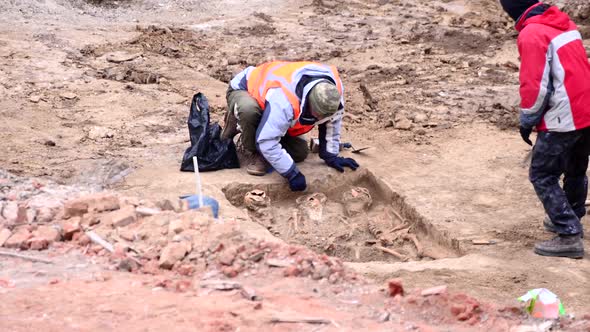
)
(355, 151)
(314, 146)
(198, 201)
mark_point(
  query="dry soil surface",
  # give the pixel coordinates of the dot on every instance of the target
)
(96, 94)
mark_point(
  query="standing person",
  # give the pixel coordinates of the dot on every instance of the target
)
(555, 94)
(277, 102)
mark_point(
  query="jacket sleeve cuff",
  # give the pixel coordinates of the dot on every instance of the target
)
(291, 173)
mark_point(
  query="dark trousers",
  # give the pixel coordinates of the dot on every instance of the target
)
(555, 154)
(249, 115)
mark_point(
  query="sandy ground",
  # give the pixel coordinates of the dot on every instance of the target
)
(431, 86)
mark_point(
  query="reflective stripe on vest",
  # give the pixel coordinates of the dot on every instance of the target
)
(281, 75)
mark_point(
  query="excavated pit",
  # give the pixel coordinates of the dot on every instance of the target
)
(356, 217)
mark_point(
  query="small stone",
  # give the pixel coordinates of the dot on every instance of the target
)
(120, 218)
(172, 253)
(434, 291)
(146, 211)
(421, 132)
(227, 257)
(68, 95)
(403, 124)
(166, 205)
(19, 239)
(291, 271)
(229, 272)
(46, 214)
(127, 264)
(35, 99)
(127, 234)
(178, 226)
(49, 143)
(420, 118)
(5, 233)
(121, 56)
(84, 240)
(100, 132)
(186, 270)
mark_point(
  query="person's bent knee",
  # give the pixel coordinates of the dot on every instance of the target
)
(300, 155)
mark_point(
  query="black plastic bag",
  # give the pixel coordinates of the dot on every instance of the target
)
(211, 151)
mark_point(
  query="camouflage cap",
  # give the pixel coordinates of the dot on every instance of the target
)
(324, 99)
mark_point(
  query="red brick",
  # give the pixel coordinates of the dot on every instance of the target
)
(464, 316)
(173, 253)
(69, 227)
(84, 240)
(229, 272)
(103, 202)
(19, 239)
(291, 271)
(37, 243)
(395, 287)
(178, 226)
(186, 270)
(457, 309)
(120, 218)
(75, 208)
(48, 232)
(227, 257)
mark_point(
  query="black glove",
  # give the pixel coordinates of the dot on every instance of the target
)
(339, 163)
(525, 133)
(297, 182)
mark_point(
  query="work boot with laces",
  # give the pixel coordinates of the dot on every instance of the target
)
(257, 165)
(230, 127)
(562, 246)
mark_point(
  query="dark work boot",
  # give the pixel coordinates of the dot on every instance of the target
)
(230, 127)
(562, 246)
(550, 226)
(257, 165)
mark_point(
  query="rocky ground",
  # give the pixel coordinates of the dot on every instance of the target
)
(95, 97)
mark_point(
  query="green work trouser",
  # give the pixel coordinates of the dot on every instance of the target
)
(249, 114)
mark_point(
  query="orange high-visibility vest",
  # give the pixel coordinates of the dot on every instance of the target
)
(286, 75)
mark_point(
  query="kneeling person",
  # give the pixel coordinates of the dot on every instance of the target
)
(275, 103)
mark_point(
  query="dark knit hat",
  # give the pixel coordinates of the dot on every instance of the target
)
(515, 8)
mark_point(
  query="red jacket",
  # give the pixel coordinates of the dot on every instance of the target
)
(554, 72)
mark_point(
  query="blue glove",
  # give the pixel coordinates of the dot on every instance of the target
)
(339, 163)
(297, 182)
